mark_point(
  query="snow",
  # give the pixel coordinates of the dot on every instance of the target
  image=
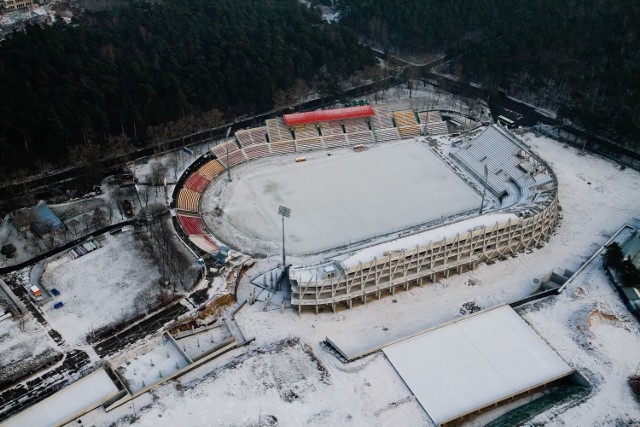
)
(342, 198)
(151, 367)
(99, 288)
(199, 344)
(24, 343)
(475, 361)
(423, 238)
(86, 393)
(243, 386)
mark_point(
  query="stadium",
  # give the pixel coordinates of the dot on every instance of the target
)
(381, 200)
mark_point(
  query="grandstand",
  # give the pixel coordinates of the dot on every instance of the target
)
(431, 123)
(278, 130)
(254, 136)
(188, 200)
(196, 182)
(406, 123)
(211, 169)
(528, 215)
(522, 183)
(514, 174)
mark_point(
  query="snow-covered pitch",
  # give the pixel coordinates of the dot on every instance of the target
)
(342, 197)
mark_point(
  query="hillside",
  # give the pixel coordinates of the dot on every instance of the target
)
(580, 58)
(110, 79)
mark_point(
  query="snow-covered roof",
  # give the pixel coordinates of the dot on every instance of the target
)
(423, 238)
(325, 115)
(476, 361)
(74, 400)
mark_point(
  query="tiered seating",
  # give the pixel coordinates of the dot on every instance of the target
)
(211, 169)
(390, 134)
(188, 200)
(204, 242)
(309, 144)
(432, 123)
(406, 123)
(220, 150)
(196, 182)
(255, 136)
(498, 151)
(283, 147)
(356, 125)
(405, 118)
(360, 138)
(308, 130)
(191, 224)
(278, 130)
(332, 127)
(235, 158)
(257, 151)
(381, 120)
(436, 128)
(332, 141)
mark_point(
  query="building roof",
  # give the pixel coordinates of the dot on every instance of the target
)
(474, 362)
(68, 403)
(45, 219)
(326, 115)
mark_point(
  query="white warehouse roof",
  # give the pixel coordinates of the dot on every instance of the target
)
(473, 362)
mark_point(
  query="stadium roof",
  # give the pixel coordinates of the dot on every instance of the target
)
(474, 362)
(326, 115)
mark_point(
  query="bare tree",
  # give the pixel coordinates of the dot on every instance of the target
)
(73, 226)
(24, 219)
(146, 299)
(86, 220)
(143, 192)
(161, 246)
(172, 163)
(158, 173)
(99, 218)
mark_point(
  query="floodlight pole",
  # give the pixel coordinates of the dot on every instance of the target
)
(226, 146)
(284, 255)
(284, 211)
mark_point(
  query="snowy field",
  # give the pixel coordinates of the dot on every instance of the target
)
(341, 197)
(99, 288)
(25, 344)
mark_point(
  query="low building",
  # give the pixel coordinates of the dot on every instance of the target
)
(475, 363)
(9, 5)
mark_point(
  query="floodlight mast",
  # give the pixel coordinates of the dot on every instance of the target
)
(226, 145)
(284, 211)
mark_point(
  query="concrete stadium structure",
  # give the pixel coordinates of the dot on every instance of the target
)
(527, 189)
(523, 185)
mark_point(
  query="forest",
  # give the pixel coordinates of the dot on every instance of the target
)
(580, 58)
(120, 78)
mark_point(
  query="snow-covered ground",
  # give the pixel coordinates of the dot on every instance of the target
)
(151, 367)
(340, 196)
(99, 288)
(252, 385)
(25, 343)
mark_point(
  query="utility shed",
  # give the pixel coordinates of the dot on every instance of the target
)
(474, 362)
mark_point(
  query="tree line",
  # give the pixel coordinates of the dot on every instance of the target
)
(580, 58)
(116, 79)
